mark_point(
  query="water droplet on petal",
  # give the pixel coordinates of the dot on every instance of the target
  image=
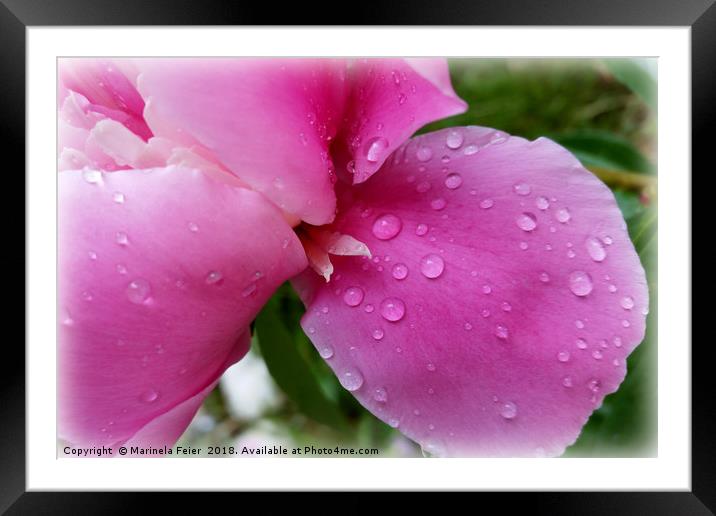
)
(563, 215)
(424, 154)
(542, 203)
(453, 181)
(92, 255)
(432, 266)
(507, 307)
(438, 204)
(486, 289)
(375, 148)
(544, 277)
(325, 351)
(122, 238)
(467, 326)
(387, 226)
(380, 395)
(193, 227)
(423, 187)
(486, 204)
(567, 381)
(627, 303)
(400, 271)
(563, 356)
(92, 176)
(431, 367)
(353, 296)
(138, 291)
(454, 139)
(378, 334)
(394, 422)
(421, 229)
(470, 149)
(392, 309)
(595, 249)
(351, 379)
(608, 240)
(368, 308)
(580, 283)
(213, 278)
(522, 189)
(508, 410)
(526, 222)
(581, 343)
(118, 197)
(597, 354)
(149, 396)
(501, 332)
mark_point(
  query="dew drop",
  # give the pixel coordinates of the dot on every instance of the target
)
(595, 249)
(121, 238)
(149, 396)
(118, 197)
(453, 181)
(567, 381)
(580, 283)
(430, 367)
(526, 222)
(542, 203)
(522, 189)
(432, 266)
(508, 410)
(579, 323)
(507, 307)
(353, 296)
(501, 332)
(138, 291)
(380, 395)
(325, 351)
(122, 269)
(92, 255)
(438, 204)
(387, 226)
(392, 309)
(421, 229)
(423, 187)
(193, 227)
(378, 334)
(424, 154)
(544, 277)
(581, 343)
(627, 303)
(486, 204)
(467, 326)
(92, 176)
(375, 148)
(486, 289)
(563, 356)
(369, 308)
(470, 150)
(248, 290)
(563, 215)
(394, 422)
(400, 271)
(213, 278)
(351, 379)
(454, 139)
(596, 354)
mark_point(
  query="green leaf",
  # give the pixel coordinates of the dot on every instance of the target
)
(290, 369)
(606, 150)
(639, 75)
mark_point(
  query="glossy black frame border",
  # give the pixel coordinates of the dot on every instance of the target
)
(16, 15)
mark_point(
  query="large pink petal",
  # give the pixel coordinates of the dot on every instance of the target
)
(270, 122)
(390, 99)
(500, 313)
(108, 90)
(160, 273)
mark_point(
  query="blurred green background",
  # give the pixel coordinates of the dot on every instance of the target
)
(604, 111)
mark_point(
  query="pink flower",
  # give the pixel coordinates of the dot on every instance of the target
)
(475, 290)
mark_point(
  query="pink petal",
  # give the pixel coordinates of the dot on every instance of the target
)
(270, 122)
(390, 99)
(107, 89)
(499, 310)
(160, 273)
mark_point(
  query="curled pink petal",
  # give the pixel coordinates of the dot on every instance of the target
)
(502, 300)
(109, 92)
(390, 99)
(269, 122)
(160, 273)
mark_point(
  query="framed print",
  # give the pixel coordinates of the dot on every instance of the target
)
(450, 257)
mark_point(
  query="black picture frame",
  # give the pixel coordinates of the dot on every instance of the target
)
(16, 15)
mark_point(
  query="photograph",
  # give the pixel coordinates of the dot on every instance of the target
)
(359, 257)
